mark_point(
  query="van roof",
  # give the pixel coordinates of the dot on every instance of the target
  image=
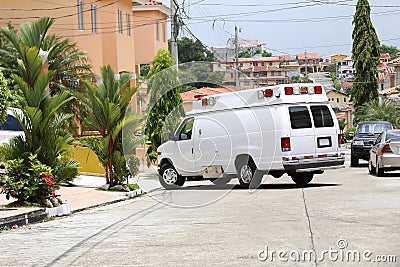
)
(272, 95)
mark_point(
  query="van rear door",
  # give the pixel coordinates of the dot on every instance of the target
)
(326, 134)
(302, 139)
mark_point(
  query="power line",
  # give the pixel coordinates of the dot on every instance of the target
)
(45, 9)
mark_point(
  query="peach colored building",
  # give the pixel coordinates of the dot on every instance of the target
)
(120, 33)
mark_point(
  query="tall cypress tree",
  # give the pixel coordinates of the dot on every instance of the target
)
(165, 109)
(365, 53)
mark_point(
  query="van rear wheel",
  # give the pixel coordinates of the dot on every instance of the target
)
(302, 178)
(169, 177)
(249, 176)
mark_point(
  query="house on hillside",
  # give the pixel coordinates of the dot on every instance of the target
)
(196, 94)
(309, 61)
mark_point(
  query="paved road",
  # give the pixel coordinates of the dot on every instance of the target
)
(319, 77)
(360, 211)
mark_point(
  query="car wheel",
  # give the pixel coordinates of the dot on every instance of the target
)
(220, 181)
(249, 177)
(302, 178)
(378, 170)
(353, 161)
(371, 168)
(169, 177)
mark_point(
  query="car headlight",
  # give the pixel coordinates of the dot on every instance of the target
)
(358, 143)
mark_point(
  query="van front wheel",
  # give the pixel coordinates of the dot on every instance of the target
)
(169, 177)
(302, 178)
(249, 177)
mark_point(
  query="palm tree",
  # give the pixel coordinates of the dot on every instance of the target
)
(375, 111)
(106, 104)
(64, 58)
(41, 121)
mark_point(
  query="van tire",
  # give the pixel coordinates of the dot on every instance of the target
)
(302, 178)
(248, 175)
(169, 177)
(353, 161)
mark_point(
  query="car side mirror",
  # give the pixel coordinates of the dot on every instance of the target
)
(172, 136)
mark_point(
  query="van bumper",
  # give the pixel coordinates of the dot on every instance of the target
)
(313, 164)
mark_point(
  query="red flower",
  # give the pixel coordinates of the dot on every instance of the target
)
(3, 188)
(49, 181)
(42, 175)
(53, 194)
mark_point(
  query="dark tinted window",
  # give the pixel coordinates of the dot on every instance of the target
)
(322, 117)
(299, 117)
(392, 135)
(11, 124)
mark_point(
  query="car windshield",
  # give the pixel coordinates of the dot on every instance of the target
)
(392, 135)
(372, 128)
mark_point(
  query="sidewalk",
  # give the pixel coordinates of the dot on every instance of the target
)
(83, 194)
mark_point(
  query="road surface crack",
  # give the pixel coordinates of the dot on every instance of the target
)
(309, 224)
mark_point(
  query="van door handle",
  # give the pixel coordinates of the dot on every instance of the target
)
(199, 131)
(192, 150)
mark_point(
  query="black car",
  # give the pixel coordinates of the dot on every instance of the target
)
(364, 139)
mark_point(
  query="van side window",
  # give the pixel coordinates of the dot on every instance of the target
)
(322, 117)
(299, 117)
(186, 130)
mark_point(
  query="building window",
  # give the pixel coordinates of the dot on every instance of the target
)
(157, 31)
(128, 24)
(119, 21)
(337, 100)
(80, 15)
(255, 64)
(262, 63)
(94, 18)
(344, 99)
(163, 32)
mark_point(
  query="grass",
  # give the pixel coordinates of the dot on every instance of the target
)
(130, 186)
(154, 177)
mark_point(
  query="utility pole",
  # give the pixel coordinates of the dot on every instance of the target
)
(174, 32)
(305, 61)
(237, 58)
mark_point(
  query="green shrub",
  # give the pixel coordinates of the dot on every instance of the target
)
(347, 135)
(133, 163)
(28, 180)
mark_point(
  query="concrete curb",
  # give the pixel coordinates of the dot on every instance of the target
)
(65, 209)
(23, 219)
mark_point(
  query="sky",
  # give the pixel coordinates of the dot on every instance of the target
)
(287, 26)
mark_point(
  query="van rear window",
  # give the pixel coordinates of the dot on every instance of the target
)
(299, 117)
(322, 116)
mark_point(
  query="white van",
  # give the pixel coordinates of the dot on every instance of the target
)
(287, 128)
(11, 127)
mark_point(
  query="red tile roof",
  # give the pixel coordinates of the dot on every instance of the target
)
(205, 91)
(153, 3)
(385, 55)
(308, 55)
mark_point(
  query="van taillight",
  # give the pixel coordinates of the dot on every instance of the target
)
(288, 90)
(340, 139)
(386, 149)
(269, 93)
(285, 143)
(318, 90)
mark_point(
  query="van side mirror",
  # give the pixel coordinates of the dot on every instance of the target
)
(172, 136)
